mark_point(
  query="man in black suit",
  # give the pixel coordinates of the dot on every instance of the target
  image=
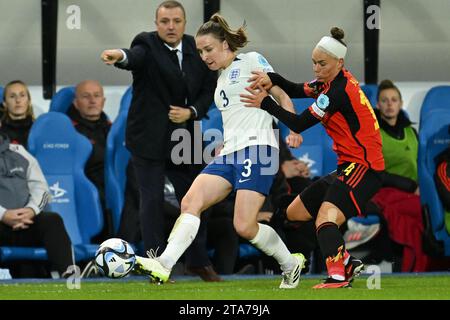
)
(172, 87)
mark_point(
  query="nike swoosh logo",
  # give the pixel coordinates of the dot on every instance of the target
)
(240, 180)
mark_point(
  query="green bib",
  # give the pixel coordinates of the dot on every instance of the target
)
(400, 156)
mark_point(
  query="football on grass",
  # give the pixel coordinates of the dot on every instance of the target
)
(115, 258)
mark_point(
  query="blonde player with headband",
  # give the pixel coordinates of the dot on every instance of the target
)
(349, 120)
(242, 166)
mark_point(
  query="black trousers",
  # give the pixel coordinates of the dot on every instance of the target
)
(47, 231)
(150, 177)
(129, 228)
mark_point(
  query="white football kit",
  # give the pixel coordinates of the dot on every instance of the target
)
(242, 126)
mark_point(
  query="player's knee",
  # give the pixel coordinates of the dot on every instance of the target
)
(185, 203)
(322, 218)
(189, 204)
(245, 229)
(329, 214)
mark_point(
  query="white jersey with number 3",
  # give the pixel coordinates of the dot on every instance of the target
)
(242, 126)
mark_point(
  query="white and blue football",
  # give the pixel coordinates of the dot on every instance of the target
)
(115, 258)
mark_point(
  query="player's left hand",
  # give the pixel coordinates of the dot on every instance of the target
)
(179, 114)
(294, 140)
(255, 98)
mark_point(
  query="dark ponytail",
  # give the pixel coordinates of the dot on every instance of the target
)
(219, 28)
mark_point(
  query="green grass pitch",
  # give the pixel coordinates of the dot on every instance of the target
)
(391, 287)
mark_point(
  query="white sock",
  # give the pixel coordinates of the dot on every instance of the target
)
(181, 237)
(269, 242)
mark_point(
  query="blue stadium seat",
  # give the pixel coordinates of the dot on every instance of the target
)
(125, 102)
(8, 254)
(371, 90)
(116, 160)
(316, 149)
(62, 100)
(437, 98)
(434, 137)
(62, 153)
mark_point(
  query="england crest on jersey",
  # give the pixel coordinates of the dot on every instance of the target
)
(234, 74)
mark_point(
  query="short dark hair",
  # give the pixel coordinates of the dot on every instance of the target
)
(170, 4)
(387, 84)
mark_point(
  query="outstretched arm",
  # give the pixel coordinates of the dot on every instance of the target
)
(258, 98)
(294, 90)
(295, 122)
(293, 140)
(128, 59)
(111, 56)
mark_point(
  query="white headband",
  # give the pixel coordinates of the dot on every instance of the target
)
(332, 47)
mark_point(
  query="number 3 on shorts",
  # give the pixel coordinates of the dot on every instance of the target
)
(247, 168)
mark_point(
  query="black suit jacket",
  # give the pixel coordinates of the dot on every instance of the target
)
(158, 83)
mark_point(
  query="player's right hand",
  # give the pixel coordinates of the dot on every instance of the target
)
(111, 56)
(260, 78)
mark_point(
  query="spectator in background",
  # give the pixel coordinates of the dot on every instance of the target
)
(18, 116)
(400, 139)
(23, 195)
(88, 118)
(398, 199)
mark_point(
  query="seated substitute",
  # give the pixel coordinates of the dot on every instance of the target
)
(23, 195)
